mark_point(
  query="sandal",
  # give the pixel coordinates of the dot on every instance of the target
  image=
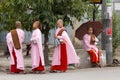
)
(22, 72)
(42, 72)
(53, 71)
(62, 71)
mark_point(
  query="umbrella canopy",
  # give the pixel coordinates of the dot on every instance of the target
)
(82, 30)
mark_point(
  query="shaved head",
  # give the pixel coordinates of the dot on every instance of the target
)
(60, 23)
(18, 24)
(37, 24)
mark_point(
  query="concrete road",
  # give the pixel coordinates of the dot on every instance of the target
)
(108, 73)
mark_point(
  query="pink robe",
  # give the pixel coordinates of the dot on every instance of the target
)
(72, 57)
(87, 45)
(18, 53)
(36, 48)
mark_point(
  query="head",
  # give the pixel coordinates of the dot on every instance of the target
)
(90, 30)
(18, 24)
(37, 24)
(60, 23)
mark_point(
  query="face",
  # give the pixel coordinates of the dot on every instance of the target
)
(35, 25)
(59, 24)
(90, 30)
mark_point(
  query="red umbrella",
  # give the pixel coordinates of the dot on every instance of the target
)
(82, 30)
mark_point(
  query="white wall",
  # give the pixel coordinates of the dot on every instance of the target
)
(116, 6)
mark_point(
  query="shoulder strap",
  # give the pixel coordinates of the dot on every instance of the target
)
(15, 39)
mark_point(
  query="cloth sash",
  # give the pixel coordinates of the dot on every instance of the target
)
(58, 41)
(15, 39)
(60, 32)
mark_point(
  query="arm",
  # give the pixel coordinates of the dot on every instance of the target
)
(86, 42)
(59, 34)
(35, 35)
(62, 37)
(96, 39)
(58, 37)
(8, 41)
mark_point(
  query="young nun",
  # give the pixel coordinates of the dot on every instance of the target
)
(14, 41)
(90, 41)
(64, 53)
(37, 49)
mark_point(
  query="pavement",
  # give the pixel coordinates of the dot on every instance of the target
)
(104, 73)
(107, 73)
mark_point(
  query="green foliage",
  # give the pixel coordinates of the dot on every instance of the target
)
(116, 31)
(11, 10)
(48, 11)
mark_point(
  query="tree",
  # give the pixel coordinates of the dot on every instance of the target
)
(116, 32)
(47, 11)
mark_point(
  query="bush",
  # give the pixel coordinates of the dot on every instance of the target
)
(116, 31)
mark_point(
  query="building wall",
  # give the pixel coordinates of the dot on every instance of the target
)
(116, 5)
